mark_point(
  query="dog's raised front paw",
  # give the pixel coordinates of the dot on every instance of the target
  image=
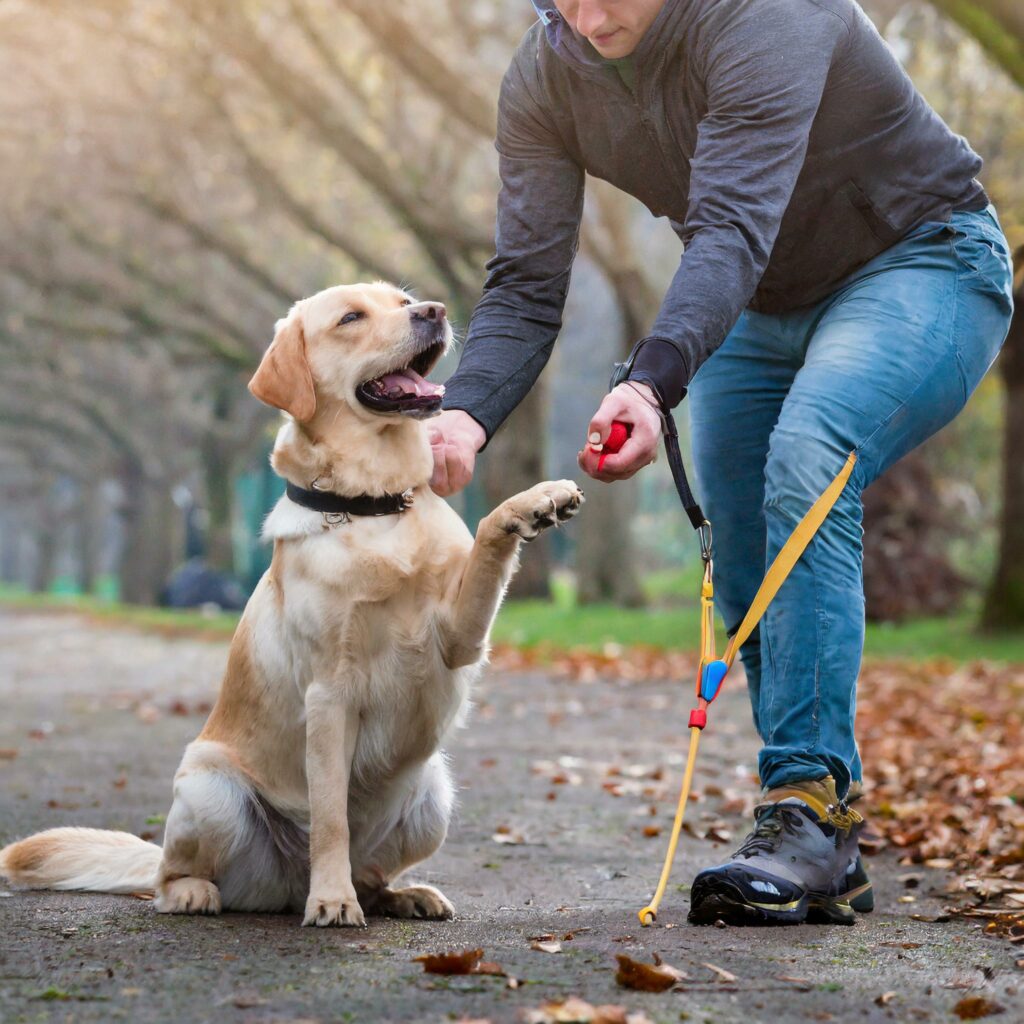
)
(423, 901)
(544, 505)
(343, 912)
(188, 896)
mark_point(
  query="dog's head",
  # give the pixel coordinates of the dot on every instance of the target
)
(365, 346)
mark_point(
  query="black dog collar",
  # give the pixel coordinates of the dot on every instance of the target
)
(356, 505)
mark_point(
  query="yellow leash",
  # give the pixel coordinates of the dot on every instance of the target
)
(712, 672)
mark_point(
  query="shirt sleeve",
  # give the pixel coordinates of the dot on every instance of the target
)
(515, 323)
(765, 69)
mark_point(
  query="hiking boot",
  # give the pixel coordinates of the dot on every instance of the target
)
(799, 863)
(862, 897)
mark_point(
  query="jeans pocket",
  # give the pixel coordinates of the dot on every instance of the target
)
(983, 252)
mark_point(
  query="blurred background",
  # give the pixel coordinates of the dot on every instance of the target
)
(175, 173)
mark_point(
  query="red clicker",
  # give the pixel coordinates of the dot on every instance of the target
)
(617, 437)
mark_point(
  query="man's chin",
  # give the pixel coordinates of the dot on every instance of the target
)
(615, 49)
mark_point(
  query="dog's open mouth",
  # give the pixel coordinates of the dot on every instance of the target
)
(404, 390)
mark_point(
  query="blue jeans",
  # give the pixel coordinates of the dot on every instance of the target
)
(877, 367)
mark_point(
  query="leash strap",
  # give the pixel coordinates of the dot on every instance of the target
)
(712, 672)
(787, 557)
(675, 462)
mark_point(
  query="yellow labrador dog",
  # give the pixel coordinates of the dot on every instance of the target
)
(319, 778)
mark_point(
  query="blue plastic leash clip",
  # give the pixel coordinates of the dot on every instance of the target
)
(711, 678)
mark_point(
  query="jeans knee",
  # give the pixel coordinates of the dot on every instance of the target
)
(798, 470)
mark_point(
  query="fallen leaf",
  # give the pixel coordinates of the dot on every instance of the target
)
(976, 1007)
(577, 1011)
(489, 967)
(645, 977)
(450, 963)
(546, 947)
(148, 713)
(652, 831)
(509, 838)
(8, 753)
(885, 998)
(247, 1000)
(723, 974)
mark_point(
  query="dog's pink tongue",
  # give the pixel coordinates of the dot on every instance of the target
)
(409, 382)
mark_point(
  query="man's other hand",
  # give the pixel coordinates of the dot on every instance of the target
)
(455, 438)
(635, 405)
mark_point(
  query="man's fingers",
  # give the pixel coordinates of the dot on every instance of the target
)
(601, 424)
(439, 478)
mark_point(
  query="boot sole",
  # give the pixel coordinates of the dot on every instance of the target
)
(715, 899)
(862, 899)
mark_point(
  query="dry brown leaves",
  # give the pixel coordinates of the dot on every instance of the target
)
(976, 1007)
(656, 977)
(613, 661)
(467, 962)
(577, 1011)
(944, 760)
(942, 744)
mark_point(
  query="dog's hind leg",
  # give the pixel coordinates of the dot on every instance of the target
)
(209, 820)
(418, 833)
(492, 562)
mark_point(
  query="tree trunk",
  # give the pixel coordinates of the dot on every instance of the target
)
(1004, 602)
(514, 462)
(218, 449)
(998, 25)
(607, 571)
(45, 533)
(605, 566)
(10, 548)
(87, 534)
(147, 554)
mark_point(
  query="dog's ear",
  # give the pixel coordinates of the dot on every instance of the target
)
(284, 379)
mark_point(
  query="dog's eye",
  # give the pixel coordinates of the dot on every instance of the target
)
(351, 318)
(406, 302)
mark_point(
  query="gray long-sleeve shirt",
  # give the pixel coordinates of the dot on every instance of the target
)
(781, 138)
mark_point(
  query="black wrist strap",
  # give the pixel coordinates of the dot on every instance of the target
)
(675, 457)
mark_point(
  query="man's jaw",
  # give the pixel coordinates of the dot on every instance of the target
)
(612, 44)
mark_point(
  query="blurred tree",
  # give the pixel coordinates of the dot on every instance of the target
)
(1004, 602)
(997, 24)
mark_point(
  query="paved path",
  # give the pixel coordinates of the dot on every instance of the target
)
(94, 721)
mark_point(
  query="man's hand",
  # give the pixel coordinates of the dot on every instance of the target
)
(455, 438)
(635, 405)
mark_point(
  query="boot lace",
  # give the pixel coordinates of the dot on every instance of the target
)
(773, 821)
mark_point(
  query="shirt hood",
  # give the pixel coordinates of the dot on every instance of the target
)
(561, 38)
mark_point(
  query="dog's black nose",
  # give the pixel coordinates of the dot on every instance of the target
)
(433, 311)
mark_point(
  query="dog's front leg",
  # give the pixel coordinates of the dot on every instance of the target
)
(331, 731)
(493, 560)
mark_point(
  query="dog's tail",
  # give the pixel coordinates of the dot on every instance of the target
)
(88, 859)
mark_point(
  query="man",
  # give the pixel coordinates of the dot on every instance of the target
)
(844, 287)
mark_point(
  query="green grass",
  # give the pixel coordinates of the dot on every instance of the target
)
(669, 622)
(168, 620)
